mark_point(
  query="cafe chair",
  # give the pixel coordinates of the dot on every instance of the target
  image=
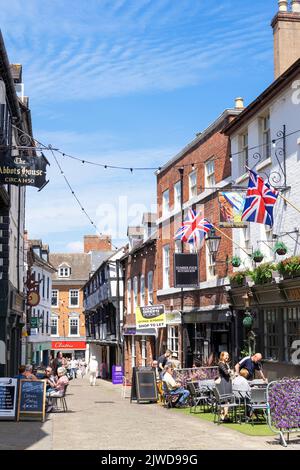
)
(258, 402)
(170, 399)
(63, 402)
(198, 396)
(222, 401)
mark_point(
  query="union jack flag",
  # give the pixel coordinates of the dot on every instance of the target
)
(193, 229)
(260, 201)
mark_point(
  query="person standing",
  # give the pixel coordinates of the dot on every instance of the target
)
(162, 361)
(93, 370)
(225, 375)
(73, 365)
(248, 365)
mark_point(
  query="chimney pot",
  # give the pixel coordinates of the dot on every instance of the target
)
(283, 5)
(296, 6)
(239, 103)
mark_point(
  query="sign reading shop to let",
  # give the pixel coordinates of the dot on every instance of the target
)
(152, 316)
(61, 345)
(186, 270)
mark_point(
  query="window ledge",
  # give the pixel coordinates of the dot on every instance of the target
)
(263, 164)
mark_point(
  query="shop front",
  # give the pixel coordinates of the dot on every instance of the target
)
(139, 348)
(70, 348)
(274, 331)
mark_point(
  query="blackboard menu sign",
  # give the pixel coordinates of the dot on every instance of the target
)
(32, 399)
(144, 388)
(8, 398)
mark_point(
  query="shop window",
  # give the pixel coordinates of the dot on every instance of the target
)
(173, 338)
(271, 334)
(291, 330)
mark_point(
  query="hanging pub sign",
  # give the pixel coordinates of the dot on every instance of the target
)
(231, 208)
(186, 270)
(23, 170)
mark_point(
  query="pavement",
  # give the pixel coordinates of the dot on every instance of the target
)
(100, 419)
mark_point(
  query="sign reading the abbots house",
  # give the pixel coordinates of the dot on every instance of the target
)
(186, 270)
(23, 171)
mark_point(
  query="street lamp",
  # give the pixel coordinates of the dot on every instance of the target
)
(213, 242)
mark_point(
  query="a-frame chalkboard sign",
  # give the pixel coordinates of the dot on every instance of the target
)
(143, 385)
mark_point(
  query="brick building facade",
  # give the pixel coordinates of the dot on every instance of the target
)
(140, 347)
(199, 169)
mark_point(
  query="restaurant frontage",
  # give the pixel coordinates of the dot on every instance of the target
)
(70, 348)
(267, 319)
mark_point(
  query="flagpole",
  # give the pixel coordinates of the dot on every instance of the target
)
(289, 202)
(226, 236)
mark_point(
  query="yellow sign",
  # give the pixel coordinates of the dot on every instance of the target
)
(151, 316)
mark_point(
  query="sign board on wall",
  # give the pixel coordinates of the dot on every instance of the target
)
(151, 316)
(23, 170)
(231, 208)
(8, 398)
(61, 345)
(186, 270)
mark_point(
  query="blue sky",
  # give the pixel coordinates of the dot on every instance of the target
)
(127, 82)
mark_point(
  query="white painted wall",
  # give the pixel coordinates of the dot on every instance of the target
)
(284, 109)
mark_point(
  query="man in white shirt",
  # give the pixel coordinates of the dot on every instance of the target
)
(93, 370)
(175, 388)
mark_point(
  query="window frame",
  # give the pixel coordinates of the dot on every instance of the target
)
(166, 266)
(135, 293)
(177, 195)
(72, 318)
(57, 298)
(173, 338)
(266, 136)
(54, 318)
(129, 296)
(150, 284)
(70, 297)
(193, 187)
(142, 291)
(210, 176)
(166, 202)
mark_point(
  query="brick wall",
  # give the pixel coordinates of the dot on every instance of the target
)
(96, 243)
(64, 309)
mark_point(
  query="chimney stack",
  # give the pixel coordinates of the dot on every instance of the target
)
(296, 6)
(239, 103)
(286, 29)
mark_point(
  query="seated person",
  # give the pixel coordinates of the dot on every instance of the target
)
(21, 375)
(175, 388)
(61, 383)
(29, 373)
(248, 365)
(50, 379)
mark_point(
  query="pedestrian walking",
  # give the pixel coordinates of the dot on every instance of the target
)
(93, 370)
(74, 367)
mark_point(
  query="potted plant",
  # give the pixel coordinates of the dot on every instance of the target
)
(289, 267)
(238, 279)
(280, 248)
(257, 256)
(263, 273)
(236, 261)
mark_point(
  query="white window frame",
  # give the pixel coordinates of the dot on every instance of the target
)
(70, 297)
(210, 265)
(210, 179)
(166, 202)
(135, 293)
(129, 296)
(265, 136)
(150, 287)
(142, 290)
(177, 195)
(64, 271)
(166, 266)
(177, 246)
(193, 184)
(173, 335)
(57, 298)
(71, 318)
(244, 152)
(54, 318)
(133, 352)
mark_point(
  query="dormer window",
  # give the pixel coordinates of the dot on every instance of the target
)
(64, 271)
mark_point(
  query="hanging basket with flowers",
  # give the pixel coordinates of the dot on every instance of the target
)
(236, 261)
(257, 256)
(280, 248)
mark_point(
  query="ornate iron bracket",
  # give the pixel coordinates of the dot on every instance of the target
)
(277, 179)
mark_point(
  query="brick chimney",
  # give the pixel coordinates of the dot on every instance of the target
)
(96, 243)
(286, 29)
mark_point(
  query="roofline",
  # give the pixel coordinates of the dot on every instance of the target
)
(200, 138)
(275, 87)
(8, 79)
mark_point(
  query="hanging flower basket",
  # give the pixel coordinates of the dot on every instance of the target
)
(248, 321)
(280, 248)
(258, 256)
(236, 261)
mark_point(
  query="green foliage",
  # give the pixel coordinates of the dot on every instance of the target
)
(280, 248)
(263, 273)
(257, 256)
(239, 277)
(290, 267)
(236, 261)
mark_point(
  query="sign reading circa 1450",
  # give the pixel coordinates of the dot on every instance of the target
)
(23, 171)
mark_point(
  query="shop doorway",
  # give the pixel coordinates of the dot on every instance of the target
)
(220, 342)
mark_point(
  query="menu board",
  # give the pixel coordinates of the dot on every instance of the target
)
(8, 398)
(32, 399)
(144, 388)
